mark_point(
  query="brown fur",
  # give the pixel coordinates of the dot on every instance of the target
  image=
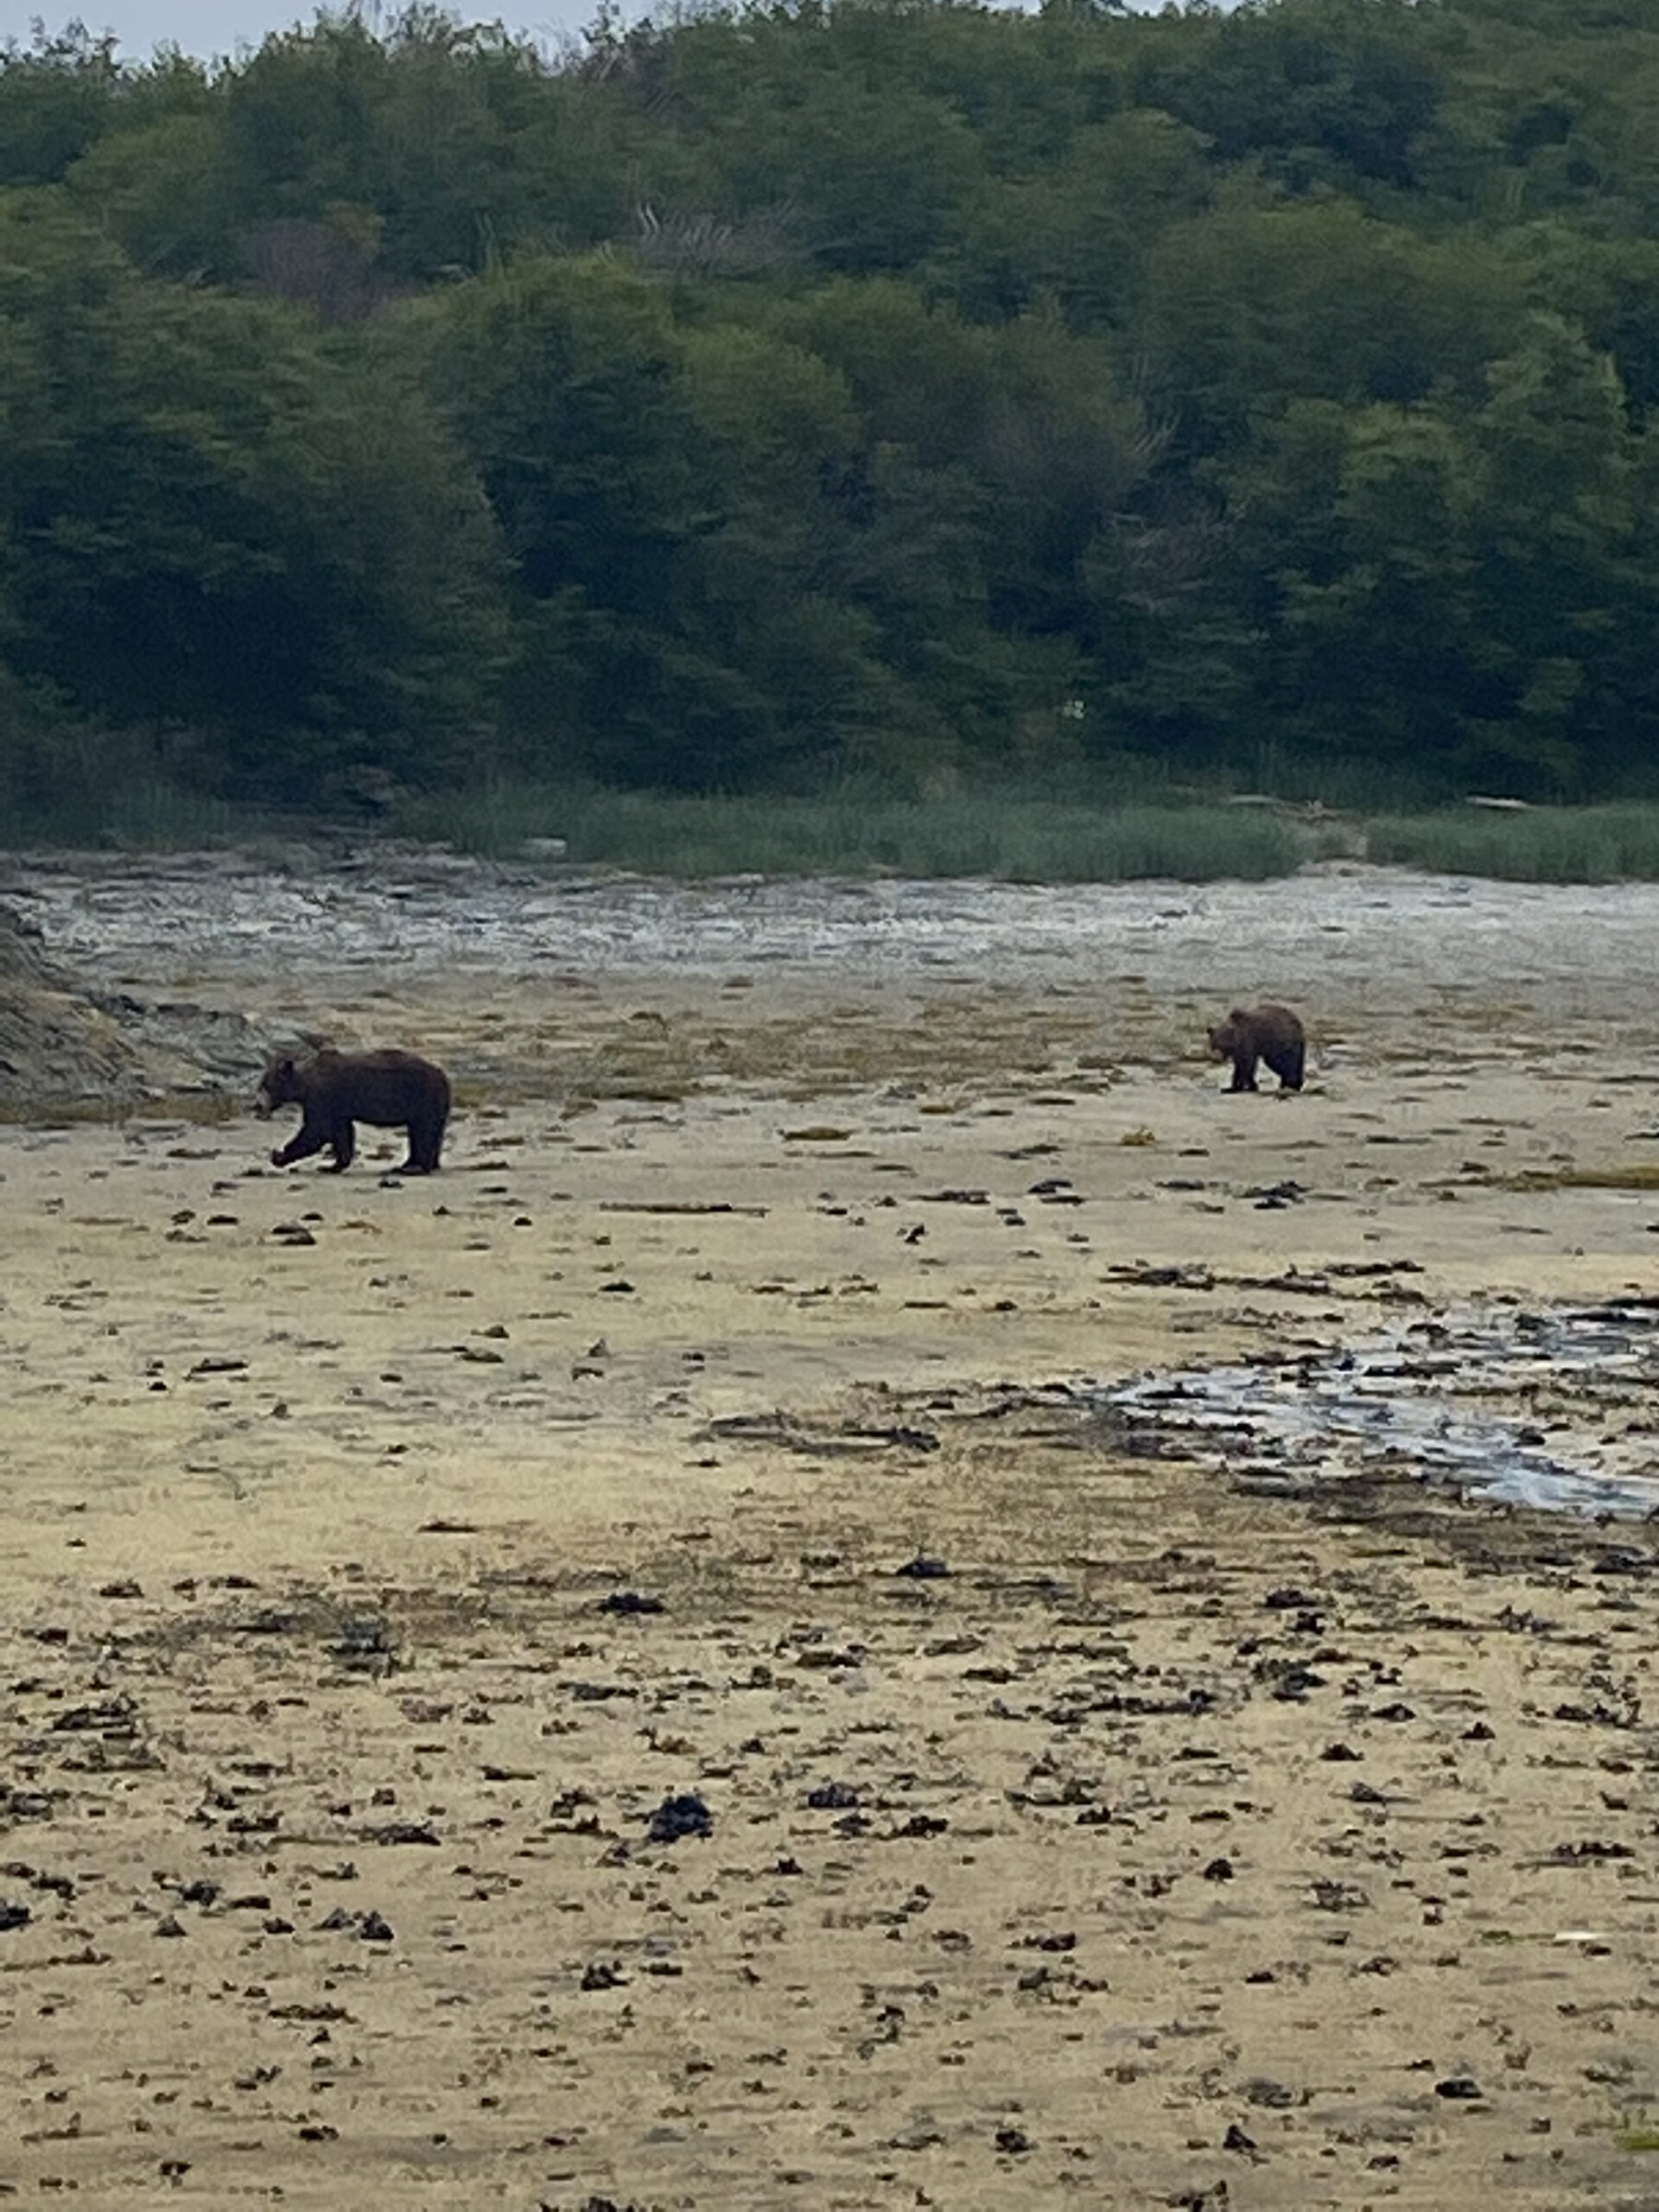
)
(333, 1091)
(1272, 1033)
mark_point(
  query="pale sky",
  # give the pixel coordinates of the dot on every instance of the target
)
(215, 27)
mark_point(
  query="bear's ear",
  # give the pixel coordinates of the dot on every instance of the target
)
(285, 1068)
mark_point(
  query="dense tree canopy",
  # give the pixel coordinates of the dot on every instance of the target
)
(904, 388)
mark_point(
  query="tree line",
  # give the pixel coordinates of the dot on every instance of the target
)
(765, 396)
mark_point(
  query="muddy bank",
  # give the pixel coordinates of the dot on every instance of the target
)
(53, 1045)
(69, 1047)
(396, 910)
(537, 980)
(73, 1049)
(1002, 1823)
(647, 1671)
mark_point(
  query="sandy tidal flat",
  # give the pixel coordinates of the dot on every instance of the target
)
(643, 1672)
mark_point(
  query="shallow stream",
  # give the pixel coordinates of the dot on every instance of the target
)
(1557, 1406)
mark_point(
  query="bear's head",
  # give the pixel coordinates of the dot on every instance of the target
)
(279, 1086)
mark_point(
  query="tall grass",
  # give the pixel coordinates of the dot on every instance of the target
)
(1350, 785)
(148, 815)
(1111, 827)
(1567, 844)
(1013, 840)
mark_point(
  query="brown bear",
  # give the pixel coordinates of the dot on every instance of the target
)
(333, 1089)
(1272, 1033)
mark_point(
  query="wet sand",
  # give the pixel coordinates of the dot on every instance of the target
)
(1086, 1823)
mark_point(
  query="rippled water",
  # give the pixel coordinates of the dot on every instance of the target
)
(1558, 1407)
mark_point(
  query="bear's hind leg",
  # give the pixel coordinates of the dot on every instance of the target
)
(1287, 1065)
(425, 1138)
(426, 1141)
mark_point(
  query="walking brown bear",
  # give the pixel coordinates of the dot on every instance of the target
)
(335, 1091)
(1269, 1033)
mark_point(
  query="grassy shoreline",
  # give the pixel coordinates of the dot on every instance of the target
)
(1085, 837)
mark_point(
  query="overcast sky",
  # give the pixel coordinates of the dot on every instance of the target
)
(211, 27)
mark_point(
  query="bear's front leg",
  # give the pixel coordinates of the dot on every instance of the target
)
(310, 1137)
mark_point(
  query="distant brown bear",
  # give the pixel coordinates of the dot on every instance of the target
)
(1272, 1033)
(335, 1090)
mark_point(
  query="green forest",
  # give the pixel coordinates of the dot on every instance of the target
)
(893, 394)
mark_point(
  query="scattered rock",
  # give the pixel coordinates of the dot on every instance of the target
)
(678, 1817)
(832, 1797)
(629, 1603)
